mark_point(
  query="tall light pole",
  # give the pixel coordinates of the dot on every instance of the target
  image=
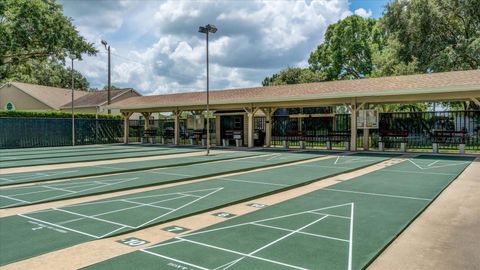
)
(107, 47)
(73, 112)
(209, 28)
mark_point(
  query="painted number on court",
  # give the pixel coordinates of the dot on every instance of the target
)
(175, 229)
(224, 215)
(133, 242)
(257, 205)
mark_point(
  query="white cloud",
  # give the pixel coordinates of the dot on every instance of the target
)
(166, 53)
(363, 13)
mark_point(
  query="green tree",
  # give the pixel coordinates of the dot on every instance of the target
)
(294, 75)
(36, 41)
(439, 35)
(105, 87)
(347, 50)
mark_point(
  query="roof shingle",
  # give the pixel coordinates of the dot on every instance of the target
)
(347, 88)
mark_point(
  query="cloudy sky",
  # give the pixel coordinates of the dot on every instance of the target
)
(156, 47)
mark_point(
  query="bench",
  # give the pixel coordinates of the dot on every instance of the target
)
(233, 134)
(149, 134)
(393, 136)
(337, 137)
(450, 138)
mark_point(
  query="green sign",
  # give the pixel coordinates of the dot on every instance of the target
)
(9, 106)
(175, 229)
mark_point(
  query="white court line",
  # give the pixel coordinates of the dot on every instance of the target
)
(102, 185)
(59, 189)
(324, 214)
(266, 219)
(24, 177)
(336, 160)
(433, 163)
(274, 156)
(430, 166)
(116, 230)
(90, 217)
(176, 174)
(321, 166)
(59, 226)
(279, 239)
(119, 210)
(172, 259)
(243, 254)
(432, 173)
(306, 233)
(252, 182)
(11, 198)
(69, 221)
(168, 213)
(350, 242)
(377, 194)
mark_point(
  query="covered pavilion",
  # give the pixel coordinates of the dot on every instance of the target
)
(354, 94)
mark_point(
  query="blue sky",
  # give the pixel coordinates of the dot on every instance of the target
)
(156, 48)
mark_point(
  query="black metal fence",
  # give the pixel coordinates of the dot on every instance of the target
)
(417, 129)
(423, 128)
(314, 131)
(18, 132)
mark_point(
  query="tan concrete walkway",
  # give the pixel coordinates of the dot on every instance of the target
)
(446, 235)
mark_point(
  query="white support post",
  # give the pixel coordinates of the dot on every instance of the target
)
(126, 126)
(218, 127)
(353, 127)
(176, 115)
(268, 125)
(146, 115)
(366, 137)
(250, 114)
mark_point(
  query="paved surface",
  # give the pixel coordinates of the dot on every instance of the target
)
(35, 233)
(343, 226)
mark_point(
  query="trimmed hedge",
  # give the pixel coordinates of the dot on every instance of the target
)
(55, 114)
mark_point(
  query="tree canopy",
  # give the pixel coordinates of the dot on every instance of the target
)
(36, 41)
(413, 36)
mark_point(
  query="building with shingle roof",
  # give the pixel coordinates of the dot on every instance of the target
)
(33, 97)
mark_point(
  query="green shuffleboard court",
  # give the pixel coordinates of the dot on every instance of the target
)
(344, 226)
(31, 234)
(46, 175)
(142, 152)
(80, 152)
(34, 150)
(37, 193)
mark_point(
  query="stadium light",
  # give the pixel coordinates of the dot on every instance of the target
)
(209, 28)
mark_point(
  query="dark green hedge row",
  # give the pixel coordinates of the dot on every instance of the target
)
(55, 115)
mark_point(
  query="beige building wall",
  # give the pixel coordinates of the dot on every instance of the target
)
(21, 100)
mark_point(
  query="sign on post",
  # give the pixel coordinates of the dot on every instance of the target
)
(367, 119)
